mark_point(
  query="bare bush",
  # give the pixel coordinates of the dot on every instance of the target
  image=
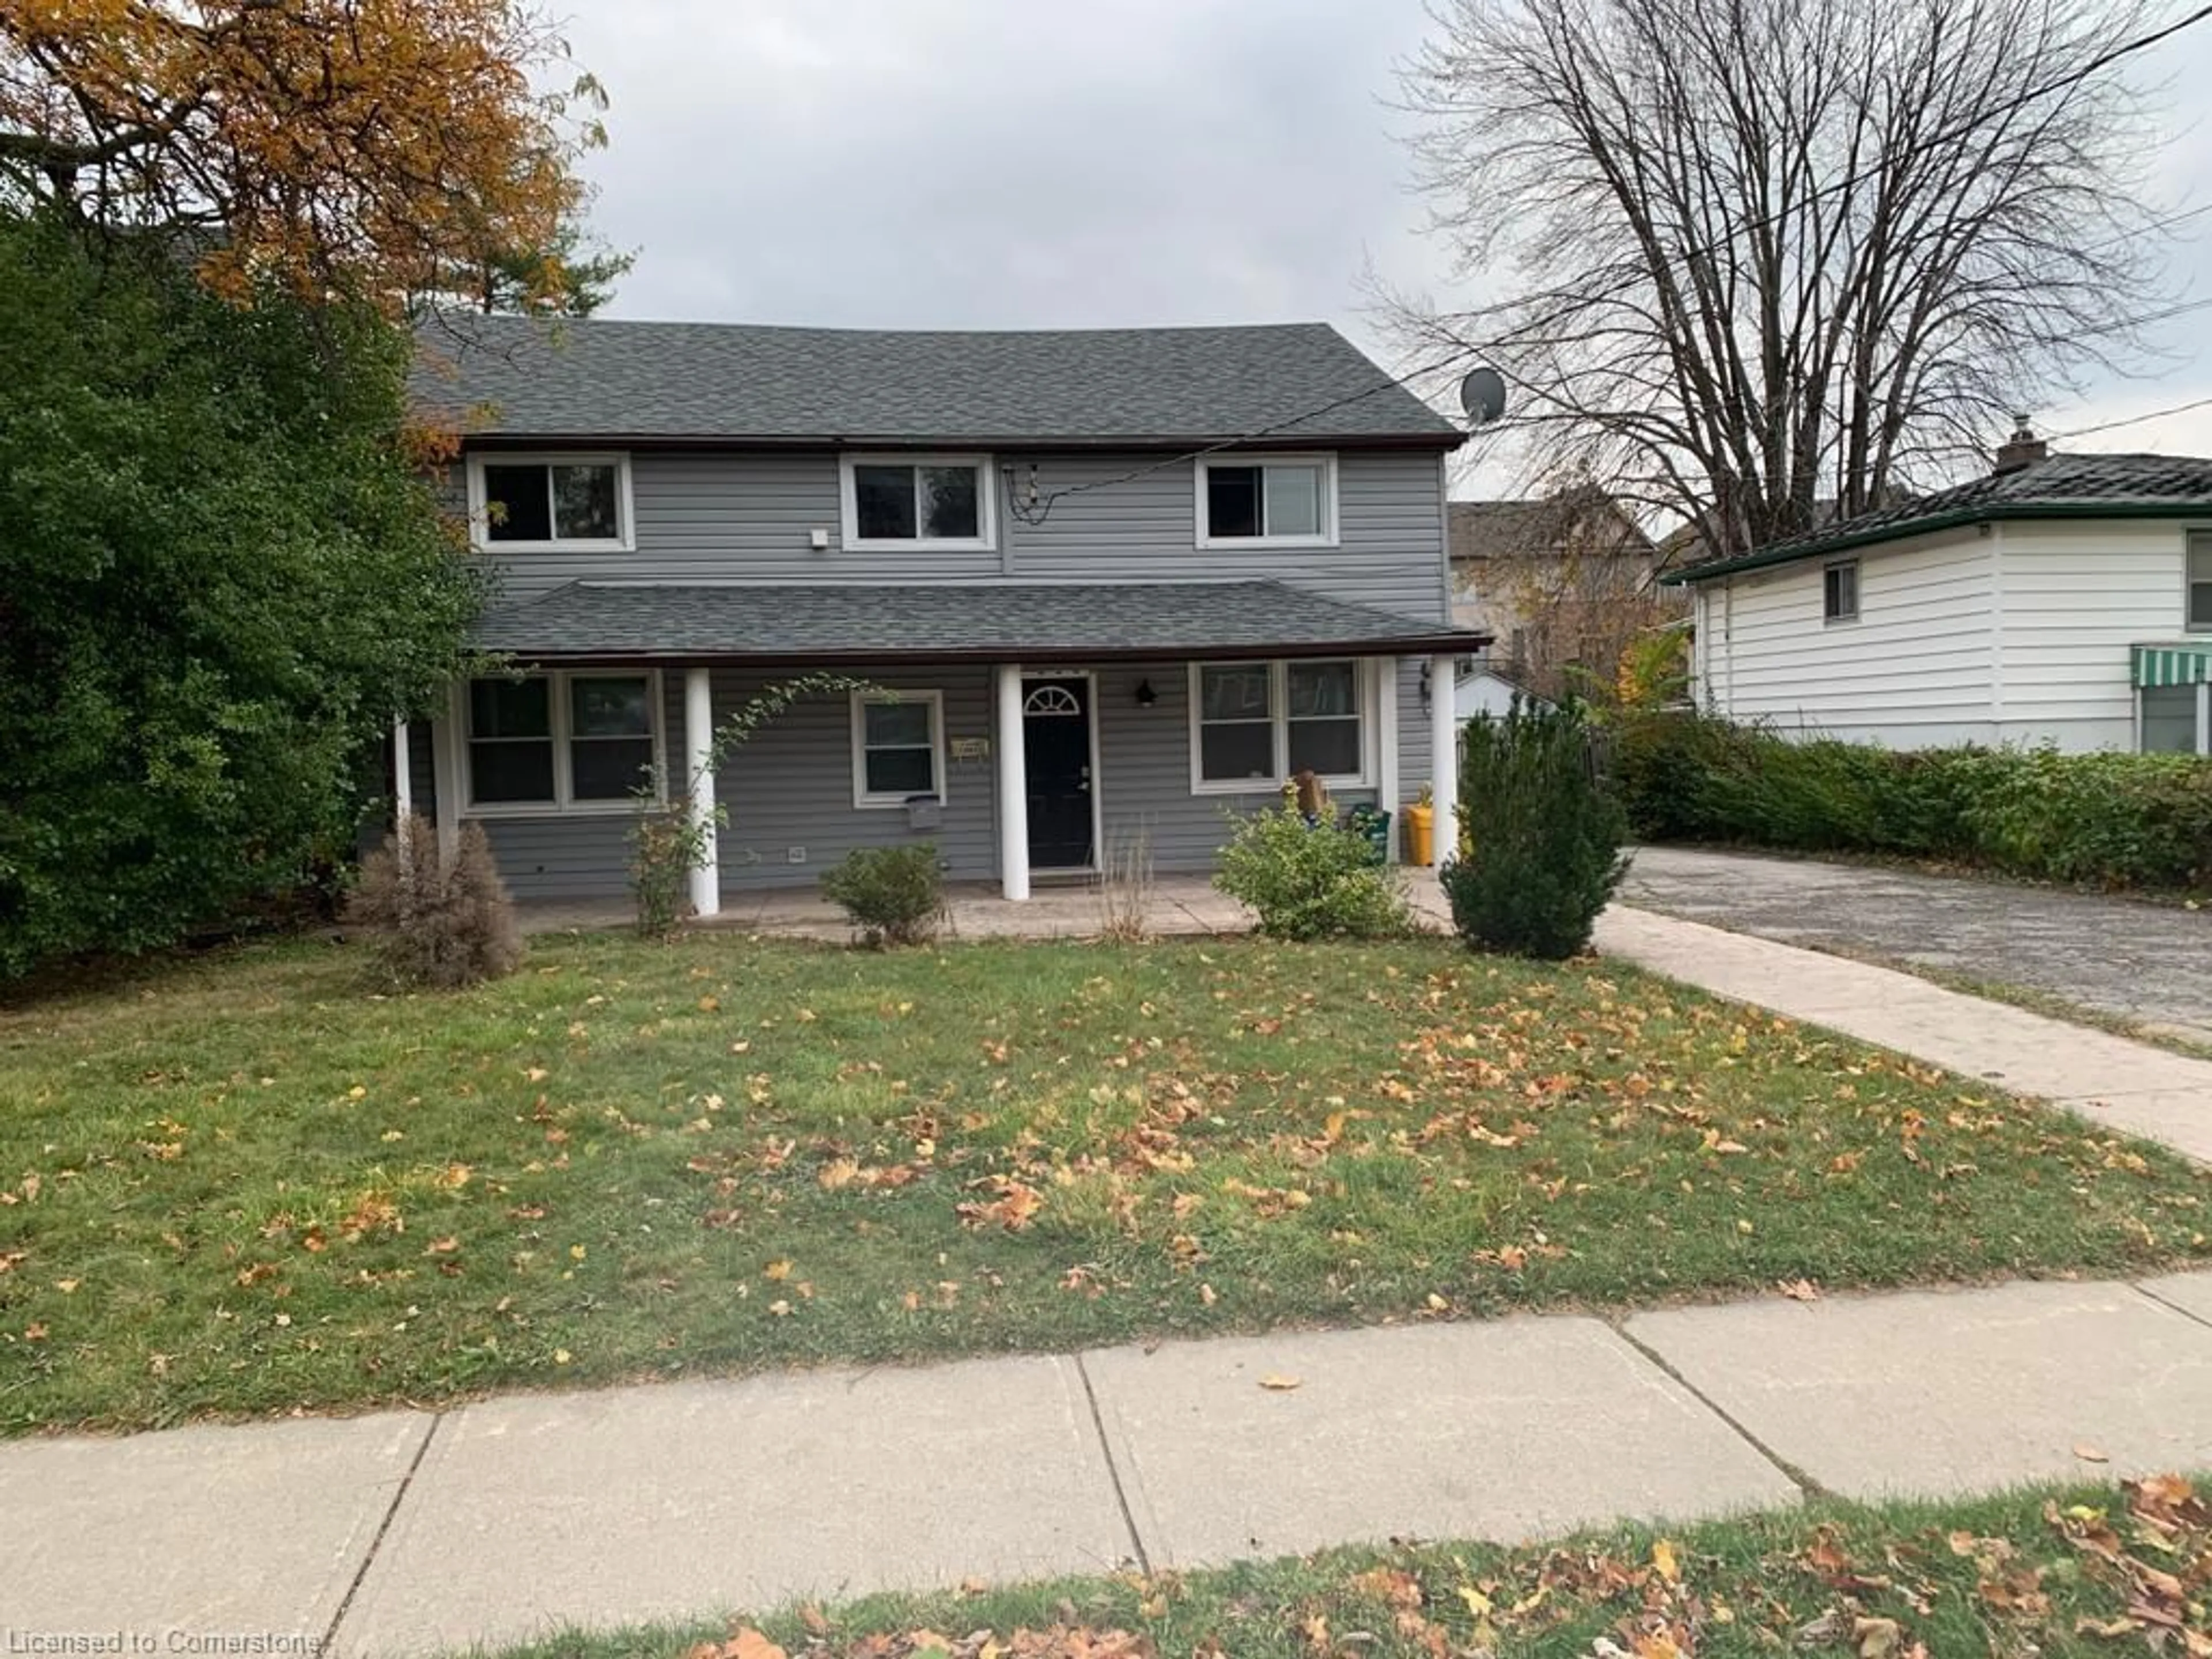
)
(432, 922)
(1125, 887)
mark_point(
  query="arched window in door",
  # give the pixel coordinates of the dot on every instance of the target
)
(1052, 700)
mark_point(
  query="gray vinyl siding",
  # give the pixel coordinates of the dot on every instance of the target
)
(723, 516)
(581, 855)
(736, 517)
(790, 785)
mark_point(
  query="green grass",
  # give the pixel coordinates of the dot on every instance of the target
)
(247, 1184)
(2083, 1571)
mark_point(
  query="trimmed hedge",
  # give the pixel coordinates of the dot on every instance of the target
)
(2110, 820)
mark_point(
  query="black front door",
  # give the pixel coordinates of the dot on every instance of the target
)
(1056, 756)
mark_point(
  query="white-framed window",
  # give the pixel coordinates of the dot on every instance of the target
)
(571, 741)
(898, 747)
(1267, 500)
(918, 500)
(546, 502)
(2197, 618)
(1839, 591)
(1255, 724)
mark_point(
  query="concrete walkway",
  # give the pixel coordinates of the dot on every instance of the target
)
(2149, 963)
(2132, 1086)
(415, 1533)
(411, 1533)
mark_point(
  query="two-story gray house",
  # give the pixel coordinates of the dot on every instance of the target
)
(1093, 583)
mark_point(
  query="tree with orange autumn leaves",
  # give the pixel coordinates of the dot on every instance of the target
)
(377, 149)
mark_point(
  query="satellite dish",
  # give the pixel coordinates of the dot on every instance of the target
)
(1482, 395)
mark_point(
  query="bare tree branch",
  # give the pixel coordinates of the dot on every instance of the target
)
(1764, 254)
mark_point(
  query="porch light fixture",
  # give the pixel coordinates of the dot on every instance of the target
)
(1428, 691)
(1145, 695)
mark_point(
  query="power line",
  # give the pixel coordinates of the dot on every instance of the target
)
(1039, 508)
(2132, 420)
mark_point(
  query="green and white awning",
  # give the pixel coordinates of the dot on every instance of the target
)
(2172, 664)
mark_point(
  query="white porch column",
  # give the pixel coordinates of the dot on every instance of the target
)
(699, 761)
(1443, 755)
(445, 768)
(1013, 785)
(1386, 751)
(403, 774)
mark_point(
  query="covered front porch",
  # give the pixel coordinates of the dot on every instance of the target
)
(1028, 732)
(1168, 907)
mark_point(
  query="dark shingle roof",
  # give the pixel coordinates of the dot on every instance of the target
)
(2056, 487)
(1547, 524)
(515, 377)
(853, 623)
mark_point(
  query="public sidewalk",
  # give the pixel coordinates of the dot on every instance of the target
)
(416, 1533)
(413, 1532)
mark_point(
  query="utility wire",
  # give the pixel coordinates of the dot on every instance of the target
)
(1039, 508)
(2132, 420)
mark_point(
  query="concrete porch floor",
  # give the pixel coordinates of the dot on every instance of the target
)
(1077, 909)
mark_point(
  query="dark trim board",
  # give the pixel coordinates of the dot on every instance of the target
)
(1417, 645)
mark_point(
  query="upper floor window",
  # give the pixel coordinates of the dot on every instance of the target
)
(560, 742)
(933, 501)
(545, 502)
(1839, 591)
(2200, 582)
(1260, 501)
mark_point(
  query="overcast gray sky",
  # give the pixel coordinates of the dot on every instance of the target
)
(1037, 163)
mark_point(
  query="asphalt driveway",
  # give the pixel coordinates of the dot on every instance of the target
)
(2149, 963)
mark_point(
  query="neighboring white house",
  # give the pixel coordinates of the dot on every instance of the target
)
(2064, 600)
(1483, 690)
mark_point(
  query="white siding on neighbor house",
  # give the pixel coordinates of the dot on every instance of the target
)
(2077, 594)
(2015, 632)
(1914, 670)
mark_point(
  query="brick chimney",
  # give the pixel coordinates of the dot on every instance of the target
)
(2022, 449)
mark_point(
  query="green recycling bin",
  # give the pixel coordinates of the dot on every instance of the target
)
(1374, 823)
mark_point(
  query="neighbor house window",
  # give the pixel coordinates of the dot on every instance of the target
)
(559, 742)
(1253, 724)
(2200, 582)
(1839, 591)
(550, 501)
(2170, 720)
(898, 747)
(1287, 499)
(942, 500)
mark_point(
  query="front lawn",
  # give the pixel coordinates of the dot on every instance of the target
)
(2086, 1571)
(248, 1184)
